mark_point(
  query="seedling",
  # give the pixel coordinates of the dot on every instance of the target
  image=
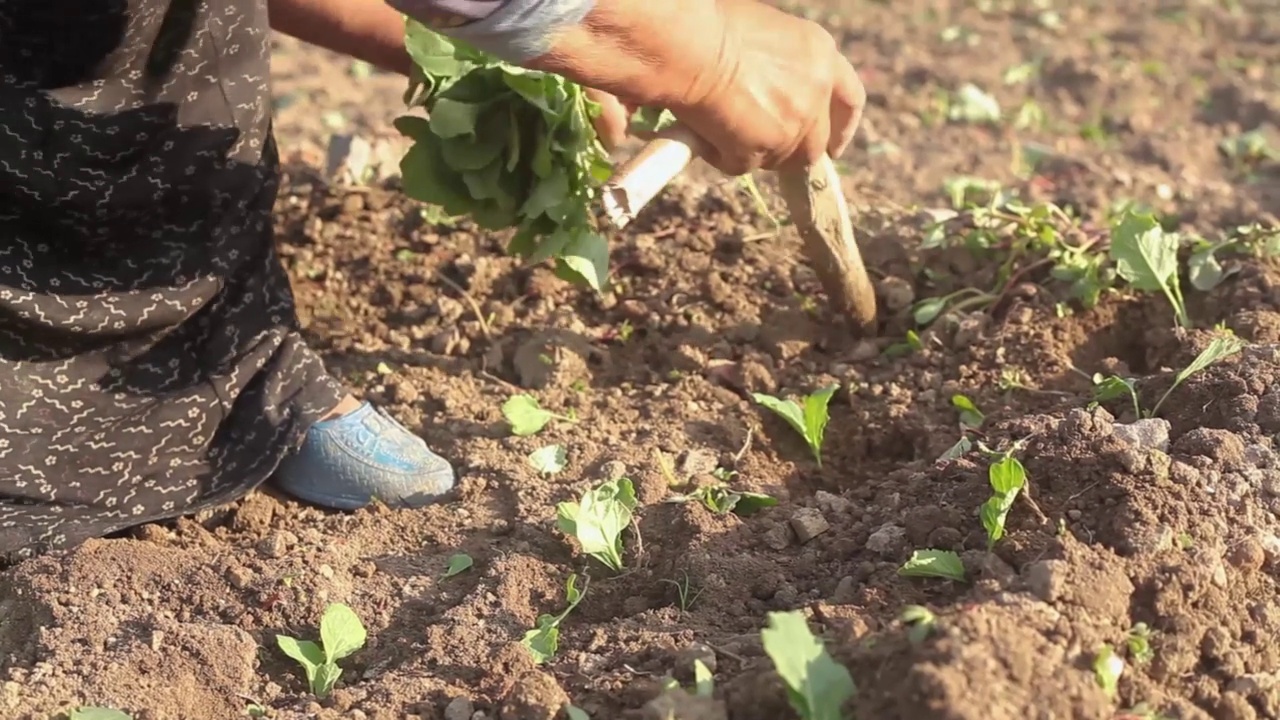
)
(817, 686)
(458, 563)
(549, 460)
(810, 420)
(1007, 478)
(598, 520)
(722, 499)
(970, 416)
(943, 564)
(971, 104)
(685, 593)
(98, 713)
(704, 682)
(920, 622)
(1138, 640)
(527, 417)
(341, 634)
(1147, 258)
(1107, 669)
(574, 712)
(1112, 386)
(543, 640)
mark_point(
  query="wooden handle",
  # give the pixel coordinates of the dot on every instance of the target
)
(813, 197)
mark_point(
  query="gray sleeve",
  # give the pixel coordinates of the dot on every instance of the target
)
(514, 30)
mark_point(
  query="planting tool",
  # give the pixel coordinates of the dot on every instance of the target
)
(813, 197)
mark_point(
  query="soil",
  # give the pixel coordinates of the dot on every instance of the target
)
(1170, 522)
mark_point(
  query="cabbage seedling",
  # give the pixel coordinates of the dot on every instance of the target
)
(527, 417)
(1007, 478)
(341, 634)
(810, 420)
(543, 640)
(598, 520)
(933, 564)
(817, 685)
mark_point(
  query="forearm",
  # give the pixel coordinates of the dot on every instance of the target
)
(630, 48)
(368, 30)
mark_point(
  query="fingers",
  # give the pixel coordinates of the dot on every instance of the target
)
(611, 125)
(848, 98)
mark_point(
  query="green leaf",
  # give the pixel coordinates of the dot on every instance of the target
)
(817, 685)
(587, 257)
(1219, 349)
(451, 118)
(430, 51)
(1007, 475)
(927, 310)
(703, 679)
(341, 632)
(305, 652)
(86, 712)
(573, 712)
(970, 415)
(1107, 669)
(458, 563)
(525, 415)
(1145, 256)
(1204, 271)
(548, 460)
(598, 520)
(933, 564)
(543, 640)
(810, 420)
(326, 677)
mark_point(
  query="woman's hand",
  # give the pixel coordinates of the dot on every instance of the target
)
(777, 92)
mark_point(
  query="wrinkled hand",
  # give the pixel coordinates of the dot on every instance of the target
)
(775, 91)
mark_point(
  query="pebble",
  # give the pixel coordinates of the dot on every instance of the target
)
(1248, 555)
(828, 502)
(459, 708)
(864, 350)
(239, 577)
(276, 545)
(613, 470)
(1046, 579)
(808, 524)
(698, 462)
(888, 540)
(897, 293)
(777, 537)
(1148, 434)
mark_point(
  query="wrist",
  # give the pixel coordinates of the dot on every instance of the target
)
(638, 51)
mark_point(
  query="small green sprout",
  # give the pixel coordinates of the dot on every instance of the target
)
(1107, 669)
(1138, 640)
(970, 416)
(1007, 477)
(1147, 258)
(527, 417)
(549, 460)
(943, 564)
(722, 500)
(341, 634)
(543, 640)
(704, 682)
(920, 622)
(1110, 387)
(685, 593)
(458, 563)
(817, 686)
(810, 420)
(598, 520)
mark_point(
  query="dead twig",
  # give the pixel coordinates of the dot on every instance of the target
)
(475, 306)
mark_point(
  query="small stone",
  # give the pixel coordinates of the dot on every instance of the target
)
(828, 502)
(1270, 482)
(1074, 514)
(685, 658)
(889, 540)
(1046, 579)
(459, 708)
(239, 577)
(808, 524)
(1148, 434)
(1248, 555)
(325, 571)
(403, 393)
(897, 293)
(845, 590)
(1182, 473)
(698, 462)
(945, 538)
(1271, 546)
(864, 350)
(613, 470)
(276, 545)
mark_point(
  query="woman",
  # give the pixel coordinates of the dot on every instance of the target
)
(150, 360)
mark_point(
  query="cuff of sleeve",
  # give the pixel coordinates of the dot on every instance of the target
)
(518, 31)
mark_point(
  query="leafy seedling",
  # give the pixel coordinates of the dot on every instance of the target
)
(1219, 349)
(527, 417)
(943, 564)
(543, 640)
(817, 686)
(1007, 478)
(704, 682)
(341, 634)
(1147, 258)
(458, 563)
(598, 520)
(1114, 387)
(98, 713)
(722, 499)
(920, 622)
(549, 460)
(1138, 641)
(1107, 669)
(970, 416)
(810, 420)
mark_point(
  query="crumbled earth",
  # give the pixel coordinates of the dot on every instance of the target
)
(1170, 521)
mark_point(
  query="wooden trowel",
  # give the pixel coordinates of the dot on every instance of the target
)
(814, 200)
